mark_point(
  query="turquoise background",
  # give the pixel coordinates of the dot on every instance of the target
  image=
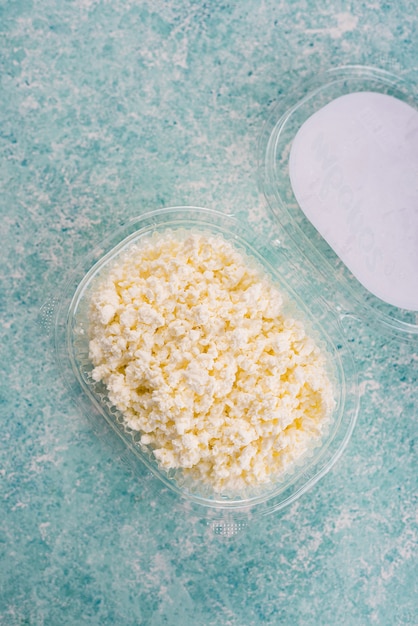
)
(108, 109)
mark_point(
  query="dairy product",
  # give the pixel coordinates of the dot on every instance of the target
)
(191, 341)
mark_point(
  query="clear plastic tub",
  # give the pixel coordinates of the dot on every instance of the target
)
(320, 289)
(324, 324)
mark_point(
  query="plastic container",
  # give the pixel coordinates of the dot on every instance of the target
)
(339, 285)
(306, 269)
(71, 334)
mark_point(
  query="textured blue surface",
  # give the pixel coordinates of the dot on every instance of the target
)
(108, 109)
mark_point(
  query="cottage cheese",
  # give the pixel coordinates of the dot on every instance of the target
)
(190, 340)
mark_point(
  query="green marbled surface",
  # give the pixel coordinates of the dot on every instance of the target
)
(108, 109)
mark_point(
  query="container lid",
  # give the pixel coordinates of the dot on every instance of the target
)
(340, 171)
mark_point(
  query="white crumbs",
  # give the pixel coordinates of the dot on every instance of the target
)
(191, 342)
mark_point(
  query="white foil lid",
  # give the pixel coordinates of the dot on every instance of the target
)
(353, 169)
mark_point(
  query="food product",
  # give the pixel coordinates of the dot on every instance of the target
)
(190, 339)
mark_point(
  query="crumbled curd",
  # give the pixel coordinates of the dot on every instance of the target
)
(191, 342)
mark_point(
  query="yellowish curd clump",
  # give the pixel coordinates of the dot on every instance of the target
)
(192, 344)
